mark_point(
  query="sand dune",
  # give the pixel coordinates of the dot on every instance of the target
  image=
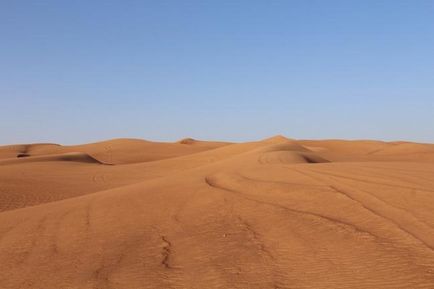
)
(22, 150)
(275, 213)
(343, 150)
(65, 157)
(116, 151)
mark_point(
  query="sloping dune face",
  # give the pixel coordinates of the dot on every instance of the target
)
(276, 213)
(116, 151)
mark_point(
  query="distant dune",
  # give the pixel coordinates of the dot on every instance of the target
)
(274, 213)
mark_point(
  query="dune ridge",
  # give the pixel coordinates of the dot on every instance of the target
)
(274, 213)
(65, 157)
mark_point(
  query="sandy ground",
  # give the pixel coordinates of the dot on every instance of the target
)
(276, 213)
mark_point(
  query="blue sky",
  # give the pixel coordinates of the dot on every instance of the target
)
(80, 71)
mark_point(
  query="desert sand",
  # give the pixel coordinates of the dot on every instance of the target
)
(274, 213)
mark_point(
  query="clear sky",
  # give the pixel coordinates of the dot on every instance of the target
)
(80, 71)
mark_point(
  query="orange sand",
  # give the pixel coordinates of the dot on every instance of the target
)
(276, 213)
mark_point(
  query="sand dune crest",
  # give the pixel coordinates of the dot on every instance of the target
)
(276, 213)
